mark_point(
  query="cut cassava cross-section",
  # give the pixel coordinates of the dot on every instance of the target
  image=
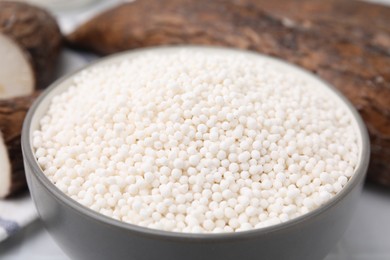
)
(30, 42)
(16, 73)
(12, 113)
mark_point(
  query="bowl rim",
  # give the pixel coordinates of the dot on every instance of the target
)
(30, 160)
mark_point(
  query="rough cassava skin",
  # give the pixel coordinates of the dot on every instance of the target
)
(345, 42)
(12, 113)
(37, 33)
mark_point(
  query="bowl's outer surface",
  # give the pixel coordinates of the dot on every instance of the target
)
(82, 237)
(84, 234)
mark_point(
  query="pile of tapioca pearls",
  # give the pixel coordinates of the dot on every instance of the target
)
(195, 142)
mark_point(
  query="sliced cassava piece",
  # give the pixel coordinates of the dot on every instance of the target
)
(30, 42)
(16, 73)
(345, 42)
(12, 113)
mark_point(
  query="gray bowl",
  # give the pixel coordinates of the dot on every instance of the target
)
(86, 234)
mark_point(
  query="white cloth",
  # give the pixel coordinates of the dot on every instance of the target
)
(15, 214)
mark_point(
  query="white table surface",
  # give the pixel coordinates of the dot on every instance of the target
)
(367, 238)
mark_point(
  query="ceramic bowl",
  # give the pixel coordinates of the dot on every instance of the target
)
(85, 234)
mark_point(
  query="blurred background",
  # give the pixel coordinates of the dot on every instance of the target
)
(368, 237)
